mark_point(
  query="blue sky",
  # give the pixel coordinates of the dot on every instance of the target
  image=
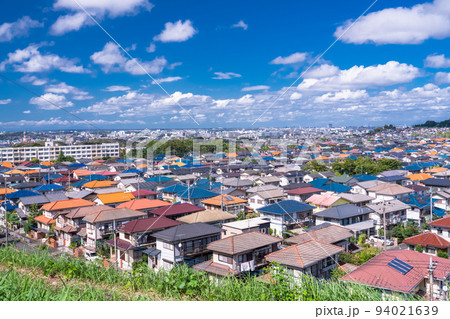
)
(223, 63)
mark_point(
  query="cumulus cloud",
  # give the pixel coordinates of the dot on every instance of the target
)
(297, 57)
(341, 95)
(442, 77)
(31, 60)
(168, 79)
(226, 75)
(151, 48)
(437, 61)
(400, 25)
(114, 88)
(176, 32)
(6, 101)
(48, 101)
(97, 8)
(387, 74)
(111, 59)
(255, 88)
(34, 80)
(19, 28)
(240, 24)
(58, 122)
(63, 88)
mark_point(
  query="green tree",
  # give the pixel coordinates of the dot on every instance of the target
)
(442, 254)
(315, 167)
(419, 248)
(337, 273)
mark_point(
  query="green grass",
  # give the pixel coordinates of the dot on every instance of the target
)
(181, 283)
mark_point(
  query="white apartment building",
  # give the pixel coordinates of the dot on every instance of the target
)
(51, 152)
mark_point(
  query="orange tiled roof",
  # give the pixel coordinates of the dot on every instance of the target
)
(46, 163)
(8, 191)
(144, 203)
(99, 184)
(428, 239)
(419, 177)
(112, 198)
(67, 203)
(215, 201)
(82, 172)
(437, 170)
(7, 164)
(44, 219)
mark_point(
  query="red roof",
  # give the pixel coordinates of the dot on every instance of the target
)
(143, 192)
(107, 173)
(65, 179)
(427, 239)
(441, 222)
(377, 273)
(177, 209)
(147, 224)
(304, 190)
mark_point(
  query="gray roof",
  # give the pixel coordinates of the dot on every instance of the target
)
(43, 199)
(389, 206)
(78, 194)
(243, 242)
(187, 231)
(327, 233)
(343, 211)
(356, 198)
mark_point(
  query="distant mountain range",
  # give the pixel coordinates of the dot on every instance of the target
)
(445, 123)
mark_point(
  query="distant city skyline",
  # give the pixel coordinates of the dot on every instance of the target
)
(233, 64)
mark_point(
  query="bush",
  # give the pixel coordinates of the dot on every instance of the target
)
(362, 239)
(442, 254)
(419, 248)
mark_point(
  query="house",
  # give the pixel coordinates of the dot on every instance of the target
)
(102, 224)
(177, 210)
(442, 199)
(403, 271)
(441, 227)
(215, 217)
(239, 253)
(310, 177)
(144, 205)
(135, 239)
(419, 207)
(226, 203)
(361, 187)
(98, 184)
(185, 243)
(113, 199)
(348, 215)
(70, 222)
(264, 198)
(310, 257)
(437, 184)
(303, 193)
(261, 224)
(359, 200)
(326, 233)
(393, 211)
(194, 195)
(325, 201)
(388, 191)
(431, 243)
(286, 215)
(268, 180)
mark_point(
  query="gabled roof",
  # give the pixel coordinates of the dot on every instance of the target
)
(112, 198)
(327, 199)
(377, 273)
(66, 204)
(389, 189)
(223, 199)
(243, 242)
(81, 212)
(439, 182)
(441, 222)
(285, 207)
(327, 233)
(304, 254)
(148, 224)
(113, 214)
(389, 206)
(99, 184)
(195, 193)
(143, 203)
(177, 209)
(428, 239)
(45, 220)
(343, 211)
(187, 231)
(207, 216)
(304, 190)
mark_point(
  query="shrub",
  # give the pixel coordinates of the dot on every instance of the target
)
(419, 248)
(442, 254)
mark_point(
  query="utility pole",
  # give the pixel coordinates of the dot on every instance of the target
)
(115, 244)
(6, 215)
(431, 268)
(431, 204)
(384, 225)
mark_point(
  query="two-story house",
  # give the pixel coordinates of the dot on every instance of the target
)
(393, 211)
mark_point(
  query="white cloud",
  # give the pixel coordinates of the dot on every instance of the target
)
(70, 22)
(442, 77)
(400, 25)
(240, 24)
(114, 88)
(151, 48)
(19, 28)
(387, 74)
(297, 57)
(33, 80)
(168, 79)
(31, 60)
(226, 75)
(176, 32)
(7, 101)
(255, 88)
(296, 96)
(52, 122)
(112, 59)
(341, 95)
(46, 101)
(437, 61)
(321, 71)
(63, 88)
(26, 112)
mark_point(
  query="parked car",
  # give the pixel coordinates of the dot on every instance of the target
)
(376, 239)
(91, 256)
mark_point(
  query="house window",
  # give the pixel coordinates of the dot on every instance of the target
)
(223, 258)
(127, 236)
(439, 231)
(167, 246)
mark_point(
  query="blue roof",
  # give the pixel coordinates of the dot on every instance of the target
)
(48, 187)
(133, 170)
(79, 183)
(416, 200)
(95, 177)
(158, 179)
(50, 177)
(268, 158)
(196, 193)
(335, 187)
(413, 167)
(125, 160)
(75, 165)
(365, 178)
(193, 165)
(439, 212)
(286, 207)
(319, 182)
(393, 178)
(175, 188)
(21, 193)
(9, 205)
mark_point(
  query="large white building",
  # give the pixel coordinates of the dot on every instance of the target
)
(51, 152)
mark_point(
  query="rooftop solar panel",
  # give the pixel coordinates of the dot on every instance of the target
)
(400, 266)
(229, 198)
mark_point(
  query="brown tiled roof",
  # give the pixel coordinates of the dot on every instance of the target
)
(243, 242)
(441, 222)
(428, 239)
(215, 268)
(207, 216)
(327, 234)
(113, 214)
